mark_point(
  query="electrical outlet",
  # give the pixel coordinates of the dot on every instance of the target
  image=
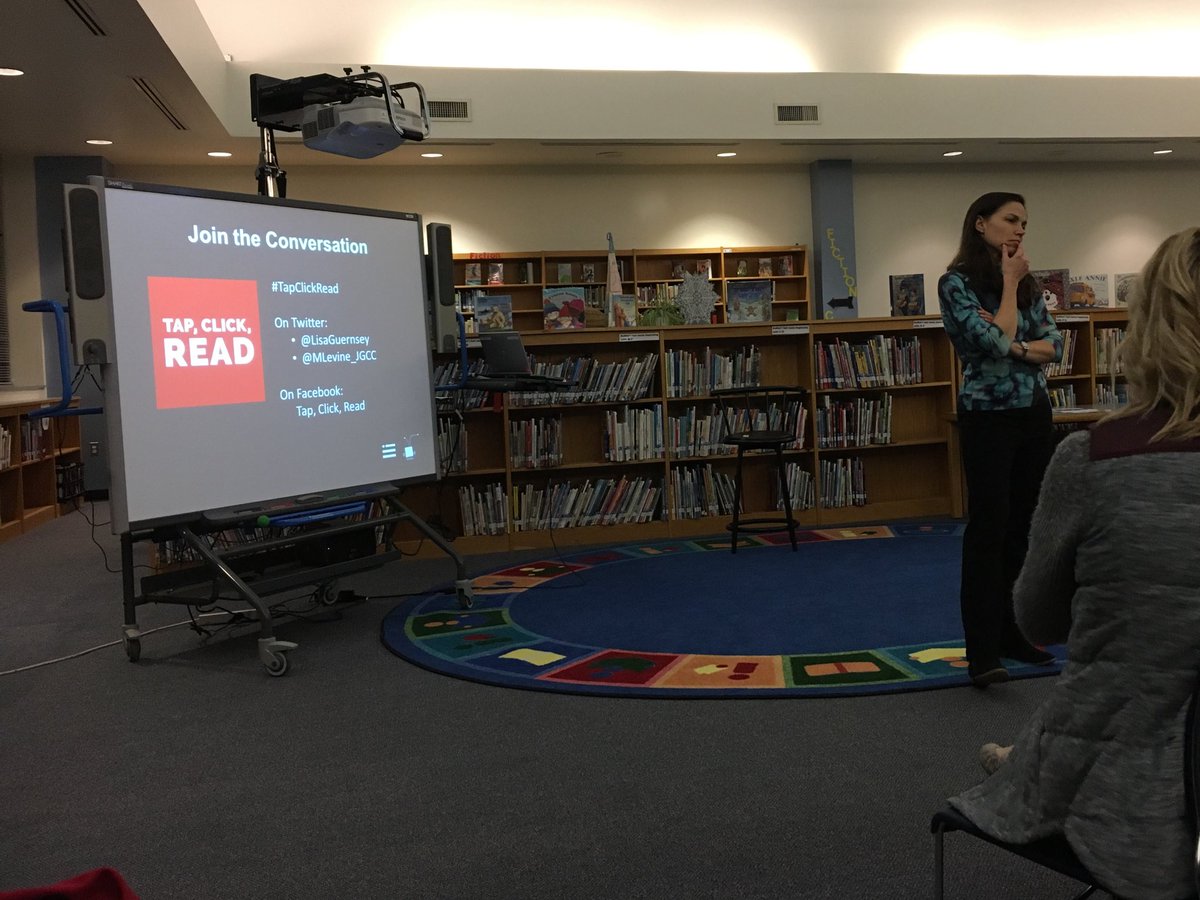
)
(94, 448)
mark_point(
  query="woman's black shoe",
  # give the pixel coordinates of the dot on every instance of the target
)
(1031, 655)
(984, 676)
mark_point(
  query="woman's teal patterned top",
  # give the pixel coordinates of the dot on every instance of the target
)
(991, 378)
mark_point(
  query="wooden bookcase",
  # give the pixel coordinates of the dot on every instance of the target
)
(1095, 334)
(646, 274)
(42, 450)
(521, 446)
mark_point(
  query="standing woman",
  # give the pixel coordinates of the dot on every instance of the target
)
(1002, 332)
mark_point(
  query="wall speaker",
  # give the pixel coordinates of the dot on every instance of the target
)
(87, 281)
(439, 261)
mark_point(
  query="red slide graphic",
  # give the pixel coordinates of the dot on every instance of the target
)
(207, 341)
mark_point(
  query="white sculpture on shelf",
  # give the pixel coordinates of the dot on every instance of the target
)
(696, 299)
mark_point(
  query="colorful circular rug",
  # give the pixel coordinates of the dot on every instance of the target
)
(852, 611)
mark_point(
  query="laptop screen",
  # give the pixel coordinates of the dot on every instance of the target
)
(504, 353)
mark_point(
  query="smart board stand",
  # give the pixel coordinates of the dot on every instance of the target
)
(298, 547)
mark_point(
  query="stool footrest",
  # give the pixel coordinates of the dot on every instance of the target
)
(760, 525)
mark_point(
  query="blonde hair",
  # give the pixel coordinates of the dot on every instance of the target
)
(1161, 350)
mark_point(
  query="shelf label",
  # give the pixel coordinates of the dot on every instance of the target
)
(789, 329)
(929, 323)
(628, 337)
(1075, 318)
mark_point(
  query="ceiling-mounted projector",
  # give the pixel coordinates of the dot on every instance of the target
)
(360, 115)
(362, 128)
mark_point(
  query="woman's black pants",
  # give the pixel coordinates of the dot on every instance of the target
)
(1005, 454)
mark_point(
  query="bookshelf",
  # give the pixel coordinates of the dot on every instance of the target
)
(879, 441)
(653, 276)
(44, 457)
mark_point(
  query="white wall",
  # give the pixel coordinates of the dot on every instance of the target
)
(1099, 219)
(1103, 218)
(1096, 219)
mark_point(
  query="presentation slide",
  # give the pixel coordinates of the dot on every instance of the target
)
(264, 351)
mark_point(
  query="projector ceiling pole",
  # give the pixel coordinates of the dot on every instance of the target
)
(272, 180)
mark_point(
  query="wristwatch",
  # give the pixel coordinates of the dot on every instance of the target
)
(1024, 345)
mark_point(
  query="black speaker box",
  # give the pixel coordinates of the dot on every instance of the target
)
(439, 260)
(87, 281)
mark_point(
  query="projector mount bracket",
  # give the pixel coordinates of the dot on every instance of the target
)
(282, 105)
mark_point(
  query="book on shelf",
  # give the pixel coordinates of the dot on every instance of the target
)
(473, 273)
(563, 308)
(765, 266)
(525, 273)
(496, 273)
(784, 266)
(1087, 291)
(622, 311)
(596, 304)
(493, 312)
(908, 294)
(564, 273)
(1052, 284)
(1124, 284)
(748, 301)
(587, 272)
(704, 267)
(743, 268)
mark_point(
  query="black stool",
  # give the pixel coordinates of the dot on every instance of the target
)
(761, 418)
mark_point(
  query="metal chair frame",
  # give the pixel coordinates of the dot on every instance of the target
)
(742, 412)
(1055, 853)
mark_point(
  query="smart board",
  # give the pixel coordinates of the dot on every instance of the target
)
(262, 350)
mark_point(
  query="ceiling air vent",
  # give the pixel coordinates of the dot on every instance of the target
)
(449, 110)
(160, 104)
(87, 17)
(797, 114)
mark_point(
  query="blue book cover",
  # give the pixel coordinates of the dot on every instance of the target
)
(493, 312)
(749, 301)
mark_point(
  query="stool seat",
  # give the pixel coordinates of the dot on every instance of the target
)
(762, 418)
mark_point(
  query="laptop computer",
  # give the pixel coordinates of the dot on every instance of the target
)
(507, 361)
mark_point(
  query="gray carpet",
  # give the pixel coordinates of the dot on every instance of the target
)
(196, 775)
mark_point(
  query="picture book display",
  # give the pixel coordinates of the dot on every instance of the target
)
(563, 307)
(1052, 284)
(493, 312)
(496, 273)
(748, 301)
(908, 294)
(564, 273)
(1125, 282)
(1087, 292)
(473, 273)
(622, 312)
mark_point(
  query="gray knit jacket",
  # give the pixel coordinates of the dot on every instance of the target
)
(1114, 569)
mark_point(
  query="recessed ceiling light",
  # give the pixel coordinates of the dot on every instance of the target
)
(99, 142)
(219, 154)
(7, 71)
(726, 154)
(1162, 152)
(953, 153)
(431, 155)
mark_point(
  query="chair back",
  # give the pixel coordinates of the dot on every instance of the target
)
(1191, 775)
(763, 415)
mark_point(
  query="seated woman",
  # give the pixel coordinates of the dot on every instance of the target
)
(1114, 570)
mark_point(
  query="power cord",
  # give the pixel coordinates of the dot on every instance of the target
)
(233, 617)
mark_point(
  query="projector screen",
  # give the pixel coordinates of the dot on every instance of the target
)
(265, 353)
